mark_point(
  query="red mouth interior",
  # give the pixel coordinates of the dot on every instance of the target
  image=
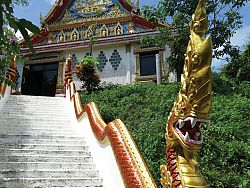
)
(191, 131)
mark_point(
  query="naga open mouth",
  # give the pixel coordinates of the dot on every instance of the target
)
(189, 130)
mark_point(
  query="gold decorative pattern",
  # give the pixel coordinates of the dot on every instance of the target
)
(74, 35)
(61, 37)
(191, 109)
(57, 26)
(89, 32)
(104, 31)
(66, 17)
(60, 84)
(118, 29)
(116, 12)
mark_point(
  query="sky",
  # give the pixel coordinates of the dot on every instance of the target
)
(36, 7)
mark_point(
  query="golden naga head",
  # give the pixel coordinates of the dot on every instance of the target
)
(192, 107)
(194, 99)
(193, 104)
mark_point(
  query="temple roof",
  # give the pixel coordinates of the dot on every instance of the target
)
(79, 20)
(60, 6)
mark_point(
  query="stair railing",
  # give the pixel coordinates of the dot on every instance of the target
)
(5, 87)
(132, 167)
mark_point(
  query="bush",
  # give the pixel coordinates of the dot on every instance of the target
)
(144, 109)
(87, 73)
(222, 85)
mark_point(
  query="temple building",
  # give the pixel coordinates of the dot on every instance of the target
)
(112, 28)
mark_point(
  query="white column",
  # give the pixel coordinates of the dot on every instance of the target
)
(158, 69)
(20, 70)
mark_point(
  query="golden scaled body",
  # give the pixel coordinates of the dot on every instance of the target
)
(192, 107)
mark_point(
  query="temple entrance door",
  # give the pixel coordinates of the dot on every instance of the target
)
(42, 80)
(25, 81)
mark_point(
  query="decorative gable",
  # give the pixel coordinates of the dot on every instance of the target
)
(84, 10)
(74, 20)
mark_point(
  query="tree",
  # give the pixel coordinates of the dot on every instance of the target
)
(86, 71)
(9, 20)
(224, 19)
(9, 25)
(238, 68)
(8, 47)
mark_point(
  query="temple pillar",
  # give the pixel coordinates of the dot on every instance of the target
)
(60, 80)
(158, 69)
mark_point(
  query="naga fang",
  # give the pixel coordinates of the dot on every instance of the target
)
(191, 109)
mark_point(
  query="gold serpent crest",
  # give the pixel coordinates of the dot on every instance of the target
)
(192, 107)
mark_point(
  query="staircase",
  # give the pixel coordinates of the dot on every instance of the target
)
(39, 147)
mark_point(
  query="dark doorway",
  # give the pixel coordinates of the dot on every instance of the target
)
(40, 80)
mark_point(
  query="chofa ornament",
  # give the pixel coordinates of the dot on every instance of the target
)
(191, 109)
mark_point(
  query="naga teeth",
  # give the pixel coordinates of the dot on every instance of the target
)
(181, 123)
(186, 137)
(192, 120)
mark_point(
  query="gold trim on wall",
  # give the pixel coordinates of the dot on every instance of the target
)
(60, 84)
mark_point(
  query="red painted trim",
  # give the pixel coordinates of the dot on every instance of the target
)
(132, 177)
(57, 11)
(36, 39)
(78, 105)
(127, 165)
(3, 89)
(126, 5)
(142, 22)
(96, 121)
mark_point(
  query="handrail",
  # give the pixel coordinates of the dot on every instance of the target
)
(133, 169)
(5, 90)
(10, 75)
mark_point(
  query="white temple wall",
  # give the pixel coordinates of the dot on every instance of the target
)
(116, 65)
(171, 76)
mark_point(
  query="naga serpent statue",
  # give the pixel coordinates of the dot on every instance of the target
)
(191, 109)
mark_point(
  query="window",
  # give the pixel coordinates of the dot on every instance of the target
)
(147, 64)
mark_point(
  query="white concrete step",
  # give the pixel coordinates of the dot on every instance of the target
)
(45, 158)
(50, 173)
(52, 152)
(20, 140)
(48, 182)
(39, 147)
(33, 136)
(43, 146)
(33, 112)
(46, 165)
(34, 121)
(36, 131)
(23, 116)
(35, 127)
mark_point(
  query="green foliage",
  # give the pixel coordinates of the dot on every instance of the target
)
(8, 19)
(226, 142)
(8, 27)
(221, 85)
(8, 47)
(144, 108)
(89, 60)
(86, 71)
(238, 68)
(224, 18)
